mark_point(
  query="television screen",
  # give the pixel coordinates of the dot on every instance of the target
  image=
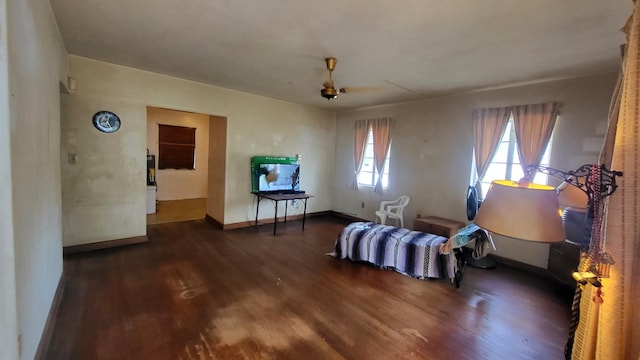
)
(278, 177)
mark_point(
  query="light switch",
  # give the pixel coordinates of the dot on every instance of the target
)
(72, 158)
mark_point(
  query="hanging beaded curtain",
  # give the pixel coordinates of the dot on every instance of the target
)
(610, 330)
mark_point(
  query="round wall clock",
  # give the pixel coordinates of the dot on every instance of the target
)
(106, 121)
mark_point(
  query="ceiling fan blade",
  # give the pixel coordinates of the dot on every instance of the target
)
(360, 89)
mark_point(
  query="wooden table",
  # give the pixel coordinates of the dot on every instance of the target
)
(276, 198)
(438, 225)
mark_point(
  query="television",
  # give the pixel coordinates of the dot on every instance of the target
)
(275, 175)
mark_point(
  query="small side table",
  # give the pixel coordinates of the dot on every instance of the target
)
(438, 226)
(277, 198)
(447, 228)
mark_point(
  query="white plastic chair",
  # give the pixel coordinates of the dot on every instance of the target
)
(392, 210)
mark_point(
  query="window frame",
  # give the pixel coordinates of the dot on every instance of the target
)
(368, 149)
(176, 147)
(509, 138)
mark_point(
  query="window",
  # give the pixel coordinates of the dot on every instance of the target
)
(505, 164)
(367, 175)
(176, 147)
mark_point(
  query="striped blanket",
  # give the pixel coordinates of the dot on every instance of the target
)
(408, 252)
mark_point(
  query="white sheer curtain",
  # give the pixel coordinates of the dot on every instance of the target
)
(381, 143)
(488, 127)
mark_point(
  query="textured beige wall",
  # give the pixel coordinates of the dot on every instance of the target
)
(37, 64)
(432, 147)
(104, 192)
(8, 317)
(180, 184)
(104, 196)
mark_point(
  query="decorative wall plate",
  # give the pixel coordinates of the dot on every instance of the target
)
(106, 121)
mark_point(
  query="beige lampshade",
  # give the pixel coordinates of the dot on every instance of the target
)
(571, 196)
(528, 211)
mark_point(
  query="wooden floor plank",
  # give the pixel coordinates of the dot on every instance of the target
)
(178, 210)
(195, 292)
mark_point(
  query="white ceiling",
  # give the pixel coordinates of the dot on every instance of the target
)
(407, 49)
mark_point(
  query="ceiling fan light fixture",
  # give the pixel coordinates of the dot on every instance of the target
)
(329, 93)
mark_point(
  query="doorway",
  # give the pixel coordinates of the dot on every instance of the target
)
(187, 194)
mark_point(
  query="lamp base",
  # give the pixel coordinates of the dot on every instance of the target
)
(482, 263)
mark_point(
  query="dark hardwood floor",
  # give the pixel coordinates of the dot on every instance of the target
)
(195, 292)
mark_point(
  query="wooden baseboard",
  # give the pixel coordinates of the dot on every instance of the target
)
(520, 266)
(47, 333)
(103, 245)
(238, 225)
(213, 221)
(245, 224)
(346, 216)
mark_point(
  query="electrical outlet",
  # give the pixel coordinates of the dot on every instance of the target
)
(294, 202)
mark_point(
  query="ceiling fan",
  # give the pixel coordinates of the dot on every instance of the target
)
(329, 91)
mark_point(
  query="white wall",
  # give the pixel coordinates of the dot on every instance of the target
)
(106, 187)
(37, 64)
(110, 172)
(8, 318)
(432, 147)
(180, 184)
